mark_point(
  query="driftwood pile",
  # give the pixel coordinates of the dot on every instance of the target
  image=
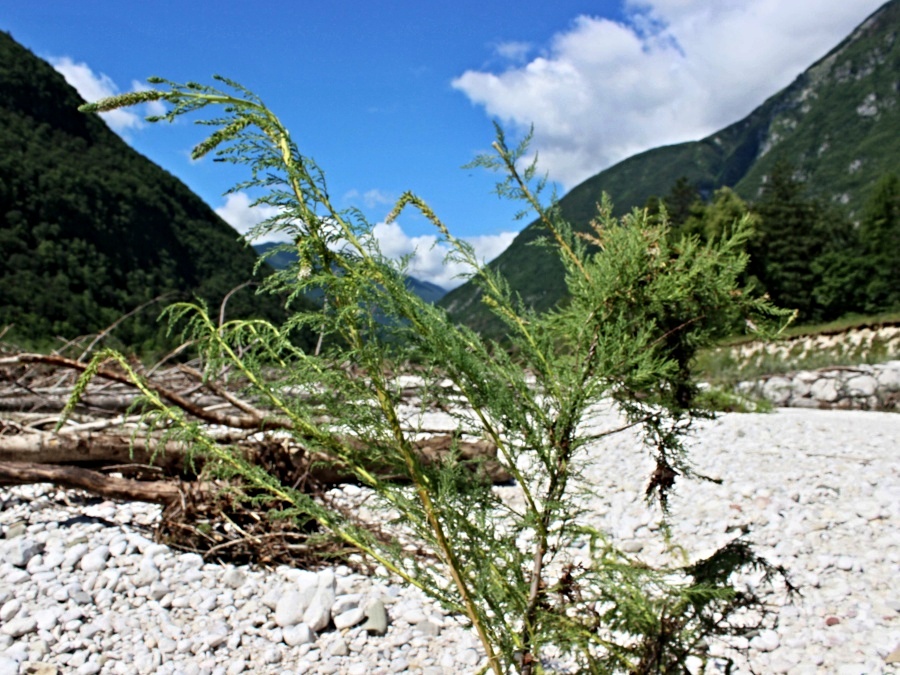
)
(104, 448)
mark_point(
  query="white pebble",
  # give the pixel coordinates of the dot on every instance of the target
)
(9, 610)
(95, 560)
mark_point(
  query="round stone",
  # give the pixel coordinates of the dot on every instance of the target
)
(297, 635)
(338, 648)
(19, 626)
(95, 560)
(18, 551)
(10, 609)
(766, 641)
(290, 608)
(234, 578)
(349, 618)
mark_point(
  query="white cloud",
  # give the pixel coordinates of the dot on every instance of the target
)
(678, 70)
(513, 51)
(242, 216)
(93, 86)
(370, 198)
(427, 262)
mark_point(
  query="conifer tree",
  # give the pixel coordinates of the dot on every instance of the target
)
(880, 237)
(793, 232)
(681, 202)
(716, 219)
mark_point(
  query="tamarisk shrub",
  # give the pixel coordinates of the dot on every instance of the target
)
(639, 308)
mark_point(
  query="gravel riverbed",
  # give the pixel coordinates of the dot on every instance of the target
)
(83, 589)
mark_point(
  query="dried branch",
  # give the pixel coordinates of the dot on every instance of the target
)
(156, 492)
(190, 407)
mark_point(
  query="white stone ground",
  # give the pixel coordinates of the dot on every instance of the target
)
(819, 492)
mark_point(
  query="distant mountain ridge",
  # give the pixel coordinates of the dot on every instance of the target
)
(90, 229)
(838, 124)
(426, 290)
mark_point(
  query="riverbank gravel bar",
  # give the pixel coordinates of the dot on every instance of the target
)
(84, 589)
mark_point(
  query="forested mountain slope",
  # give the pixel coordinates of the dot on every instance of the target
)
(90, 229)
(837, 125)
(280, 260)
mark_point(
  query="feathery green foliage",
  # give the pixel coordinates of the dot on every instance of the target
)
(641, 306)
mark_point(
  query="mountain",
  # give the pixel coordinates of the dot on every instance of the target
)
(426, 290)
(90, 229)
(837, 124)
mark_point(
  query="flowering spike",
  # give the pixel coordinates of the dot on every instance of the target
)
(122, 101)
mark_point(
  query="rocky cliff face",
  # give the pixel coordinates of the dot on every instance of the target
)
(834, 120)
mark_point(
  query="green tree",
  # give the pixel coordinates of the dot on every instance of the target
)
(793, 232)
(654, 208)
(860, 274)
(719, 218)
(639, 311)
(681, 204)
(681, 201)
(880, 237)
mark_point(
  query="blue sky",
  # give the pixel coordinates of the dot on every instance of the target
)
(397, 95)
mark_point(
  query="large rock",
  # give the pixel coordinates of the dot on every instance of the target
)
(293, 602)
(376, 618)
(766, 641)
(10, 609)
(889, 376)
(19, 626)
(16, 530)
(307, 584)
(47, 618)
(301, 634)
(234, 578)
(8, 665)
(318, 614)
(778, 390)
(95, 560)
(824, 389)
(338, 648)
(19, 551)
(349, 618)
(74, 554)
(290, 608)
(862, 386)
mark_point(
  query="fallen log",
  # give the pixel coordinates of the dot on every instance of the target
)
(90, 449)
(103, 448)
(156, 492)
